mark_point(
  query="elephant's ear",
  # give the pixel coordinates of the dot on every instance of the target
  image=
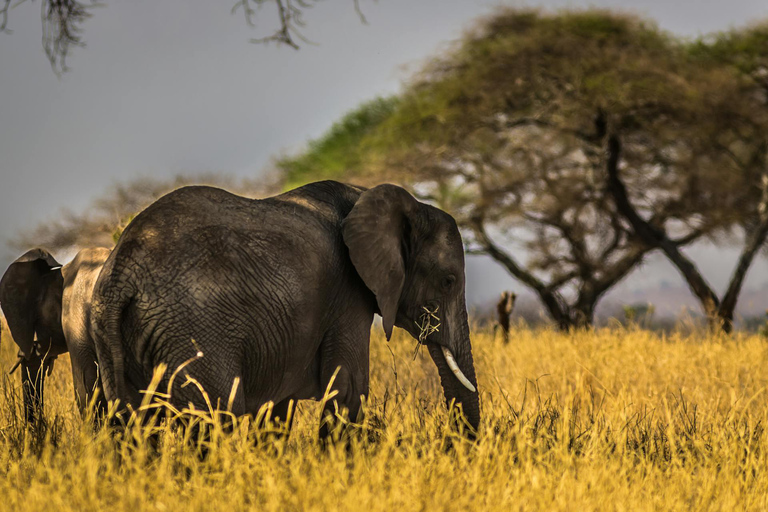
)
(41, 255)
(375, 233)
(21, 289)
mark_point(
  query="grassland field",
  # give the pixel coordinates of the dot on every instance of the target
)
(608, 419)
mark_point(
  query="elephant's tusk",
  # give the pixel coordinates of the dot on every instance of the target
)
(49, 366)
(455, 369)
(18, 362)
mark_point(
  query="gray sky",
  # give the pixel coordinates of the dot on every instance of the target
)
(169, 87)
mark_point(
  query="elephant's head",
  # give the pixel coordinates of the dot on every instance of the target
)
(410, 255)
(30, 296)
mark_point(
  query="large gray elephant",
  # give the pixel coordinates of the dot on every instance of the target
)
(279, 294)
(48, 310)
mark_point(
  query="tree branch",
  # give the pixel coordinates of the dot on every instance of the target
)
(4, 16)
(61, 21)
(754, 241)
(579, 253)
(359, 12)
(620, 270)
(653, 236)
(551, 299)
(558, 282)
(689, 238)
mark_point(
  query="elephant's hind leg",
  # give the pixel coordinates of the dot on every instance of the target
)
(85, 378)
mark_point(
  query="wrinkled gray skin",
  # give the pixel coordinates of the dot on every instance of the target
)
(278, 293)
(48, 310)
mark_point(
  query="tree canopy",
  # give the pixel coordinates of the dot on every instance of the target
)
(538, 130)
(340, 149)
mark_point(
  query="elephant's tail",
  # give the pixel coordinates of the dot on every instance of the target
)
(111, 300)
(115, 340)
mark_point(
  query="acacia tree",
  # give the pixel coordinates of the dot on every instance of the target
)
(513, 131)
(339, 153)
(743, 139)
(62, 23)
(102, 222)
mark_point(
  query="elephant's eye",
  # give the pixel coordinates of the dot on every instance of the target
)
(448, 281)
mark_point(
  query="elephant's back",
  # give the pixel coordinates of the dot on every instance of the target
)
(200, 222)
(171, 217)
(202, 248)
(80, 277)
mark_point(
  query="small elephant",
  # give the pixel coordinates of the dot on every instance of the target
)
(48, 310)
(272, 300)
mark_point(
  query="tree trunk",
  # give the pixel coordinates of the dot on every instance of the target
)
(583, 312)
(719, 314)
(752, 246)
(503, 313)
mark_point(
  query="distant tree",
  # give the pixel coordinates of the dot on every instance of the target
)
(62, 22)
(513, 131)
(101, 224)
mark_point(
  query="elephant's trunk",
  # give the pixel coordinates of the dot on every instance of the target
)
(458, 382)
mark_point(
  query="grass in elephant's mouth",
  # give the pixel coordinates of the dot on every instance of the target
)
(429, 323)
(591, 421)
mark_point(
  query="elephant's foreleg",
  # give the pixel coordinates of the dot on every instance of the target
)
(342, 405)
(344, 376)
(284, 412)
(277, 424)
(32, 383)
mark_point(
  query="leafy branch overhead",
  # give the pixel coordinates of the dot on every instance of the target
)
(519, 128)
(290, 14)
(62, 23)
(61, 26)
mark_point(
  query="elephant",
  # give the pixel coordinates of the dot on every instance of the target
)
(48, 310)
(272, 300)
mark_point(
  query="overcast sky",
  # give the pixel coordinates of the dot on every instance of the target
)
(170, 87)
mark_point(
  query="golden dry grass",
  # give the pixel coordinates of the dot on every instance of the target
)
(598, 420)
